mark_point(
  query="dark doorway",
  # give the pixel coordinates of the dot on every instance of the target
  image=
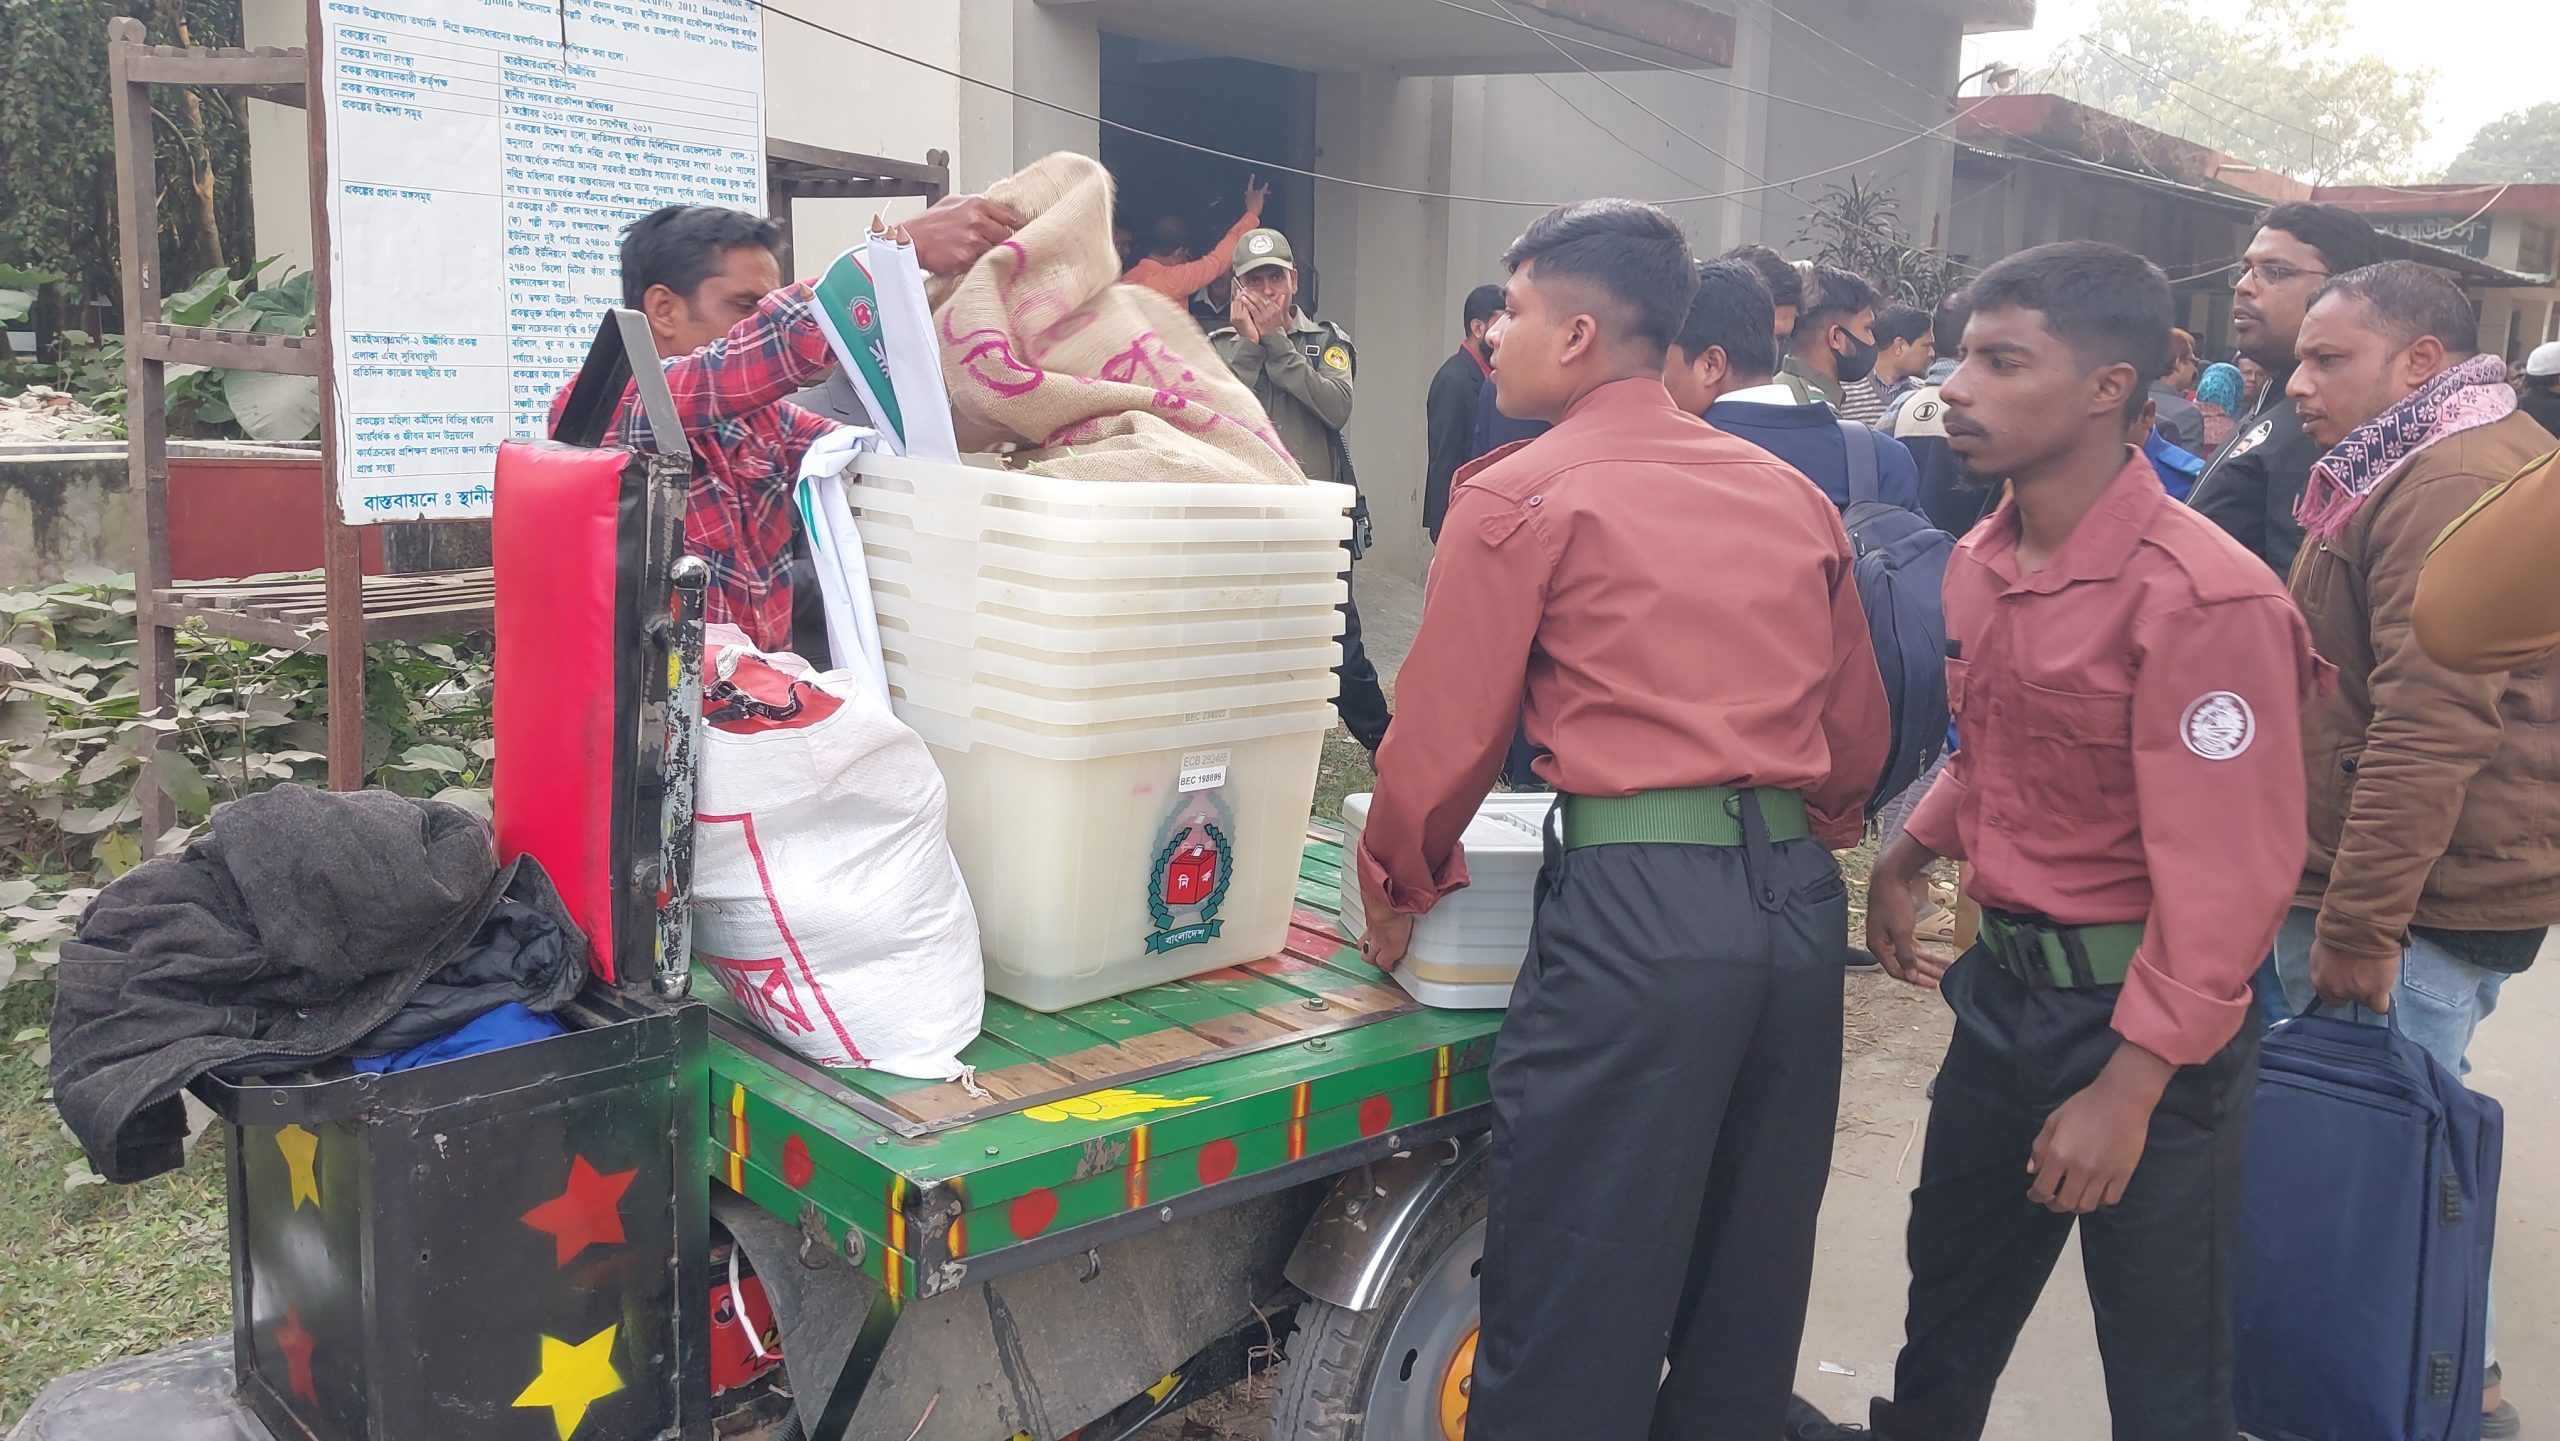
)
(1242, 107)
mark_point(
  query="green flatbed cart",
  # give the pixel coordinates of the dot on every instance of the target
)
(1129, 1200)
(1129, 1123)
(662, 1226)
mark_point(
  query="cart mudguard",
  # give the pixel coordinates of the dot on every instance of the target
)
(1351, 1246)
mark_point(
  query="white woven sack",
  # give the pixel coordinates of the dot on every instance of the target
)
(826, 897)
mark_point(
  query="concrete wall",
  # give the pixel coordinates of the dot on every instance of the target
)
(1651, 134)
(1889, 64)
(63, 508)
(2524, 316)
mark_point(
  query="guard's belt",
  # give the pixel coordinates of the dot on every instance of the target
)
(1703, 816)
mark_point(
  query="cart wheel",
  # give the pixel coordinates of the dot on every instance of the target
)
(1402, 1370)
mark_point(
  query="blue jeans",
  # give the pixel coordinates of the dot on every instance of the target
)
(2440, 1000)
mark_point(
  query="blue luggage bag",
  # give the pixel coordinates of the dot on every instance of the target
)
(2361, 1289)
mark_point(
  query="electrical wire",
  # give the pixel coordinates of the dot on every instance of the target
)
(1876, 230)
(1109, 124)
(1553, 37)
(1278, 168)
(2485, 208)
(2165, 77)
(2162, 77)
(1665, 121)
(1933, 97)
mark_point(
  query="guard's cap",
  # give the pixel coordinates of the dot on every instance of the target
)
(2545, 360)
(1261, 248)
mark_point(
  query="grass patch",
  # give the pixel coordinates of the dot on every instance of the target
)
(91, 1273)
(1344, 771)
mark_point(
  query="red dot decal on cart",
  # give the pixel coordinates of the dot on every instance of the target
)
(797, 1168)
(1031, 1213)
(1376, 1114)
(1217, 1162)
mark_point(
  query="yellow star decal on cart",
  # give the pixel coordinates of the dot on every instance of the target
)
(301, 1151)
(573, 1378)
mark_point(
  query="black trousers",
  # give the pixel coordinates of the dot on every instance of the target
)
(2158, 1262)
(1362, 705)
(1664, 1091)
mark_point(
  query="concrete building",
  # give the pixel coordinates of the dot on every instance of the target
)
(2030, 169)
(1741, 110)
(2513, 227)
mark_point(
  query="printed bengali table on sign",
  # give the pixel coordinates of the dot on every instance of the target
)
(484, 156)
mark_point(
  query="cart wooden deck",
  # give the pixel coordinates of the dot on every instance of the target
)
(1095, 1122)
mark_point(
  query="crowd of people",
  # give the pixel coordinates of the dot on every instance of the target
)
(2226, 747)
(2227, 744)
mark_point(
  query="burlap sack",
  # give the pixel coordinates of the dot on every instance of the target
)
(1044, 348)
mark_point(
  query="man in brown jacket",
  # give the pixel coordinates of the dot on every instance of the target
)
(2434, 867)
(2489, 599)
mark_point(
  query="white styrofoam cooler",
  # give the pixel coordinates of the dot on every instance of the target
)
(1468, 950)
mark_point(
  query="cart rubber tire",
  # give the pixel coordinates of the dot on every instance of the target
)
(1332, 1367)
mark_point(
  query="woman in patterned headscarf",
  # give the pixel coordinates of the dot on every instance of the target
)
(2218, 396)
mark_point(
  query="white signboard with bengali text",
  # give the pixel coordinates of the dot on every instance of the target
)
(484, 156)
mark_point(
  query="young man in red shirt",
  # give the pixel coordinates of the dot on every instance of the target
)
(1677, 610)
(2128, 683)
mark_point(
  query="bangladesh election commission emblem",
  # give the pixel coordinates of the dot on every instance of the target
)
(1187, 883)
(2219, 726)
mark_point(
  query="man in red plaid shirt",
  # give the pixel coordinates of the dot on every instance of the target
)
(710, 282)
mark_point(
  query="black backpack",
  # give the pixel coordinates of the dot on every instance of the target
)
(1901, 571)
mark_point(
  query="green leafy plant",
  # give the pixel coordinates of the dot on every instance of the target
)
(18, 287)
(1858, 227)
(73, 741)
(203, 401)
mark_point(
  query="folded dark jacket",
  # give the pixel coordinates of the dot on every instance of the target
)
(300, 925)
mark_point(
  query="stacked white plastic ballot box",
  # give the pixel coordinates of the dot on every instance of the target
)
(1126, 686)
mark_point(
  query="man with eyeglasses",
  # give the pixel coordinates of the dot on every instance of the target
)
(2252, 485)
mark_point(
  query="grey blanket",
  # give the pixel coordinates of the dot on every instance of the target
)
(300, 924)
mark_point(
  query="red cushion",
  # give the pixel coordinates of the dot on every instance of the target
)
(553, 542)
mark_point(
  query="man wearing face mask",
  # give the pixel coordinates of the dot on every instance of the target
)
(1834, 341)
(1719, 367)
(2251, 486)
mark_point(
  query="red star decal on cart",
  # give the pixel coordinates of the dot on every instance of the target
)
(587, 1213)
(296, 1344)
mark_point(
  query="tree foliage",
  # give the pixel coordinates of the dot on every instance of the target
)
(2273, 83)
(57, 153)
(2521, 145)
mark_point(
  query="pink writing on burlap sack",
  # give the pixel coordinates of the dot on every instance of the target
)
(1044, 349)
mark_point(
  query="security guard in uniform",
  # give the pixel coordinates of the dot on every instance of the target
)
(1301, 370)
